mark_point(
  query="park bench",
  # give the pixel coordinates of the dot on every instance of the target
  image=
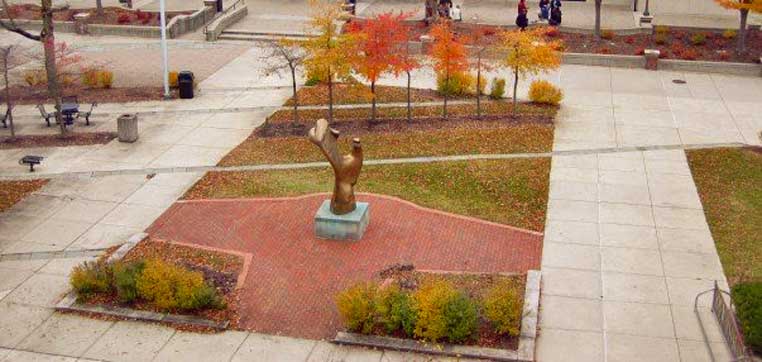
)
(4, 118)
(45, 114)
(88, 113)
(31, 161)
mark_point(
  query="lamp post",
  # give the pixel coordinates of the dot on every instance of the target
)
(645, 11)
(165, 66)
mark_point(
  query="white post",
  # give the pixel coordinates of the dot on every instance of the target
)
(165, 65)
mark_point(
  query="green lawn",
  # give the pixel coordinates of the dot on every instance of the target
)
(511, 192)
(729, 182)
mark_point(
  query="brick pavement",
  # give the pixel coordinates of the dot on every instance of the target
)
(294, 276)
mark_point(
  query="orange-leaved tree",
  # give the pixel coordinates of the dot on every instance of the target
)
(329, 53)
(528, 52)
(408, 62)
(744, 7)
(481, 45)
(448, 53)
(375, 45)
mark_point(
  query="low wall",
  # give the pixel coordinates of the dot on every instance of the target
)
(606, 60)
(217, 26)
(183, 24)
(745, 69)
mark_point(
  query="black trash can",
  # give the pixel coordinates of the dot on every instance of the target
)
(185, 83)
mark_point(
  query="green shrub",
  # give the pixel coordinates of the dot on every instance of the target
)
(125, 280)
(462, 318)
(544, 92)
(431, 299)
(91, 277)
(357, 306)
(503, 306)
(169, 286)
(729, 34)
(396, 310)
(698, 39)
(747, 297)
(498, 88)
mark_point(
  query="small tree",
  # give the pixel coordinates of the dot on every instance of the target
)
(329, 52)
(407, 64)
(290, 56)
(448, 54)
(10, 59)
(744, 7)
(528, 53)
(598, 19)
(481, 47)
(375, 44)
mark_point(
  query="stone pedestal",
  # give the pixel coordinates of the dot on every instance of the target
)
(341, 227)
(127, 128)
(652, 59)
(80, 23)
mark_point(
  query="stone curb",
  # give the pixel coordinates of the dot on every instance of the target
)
(61, 254)
(69, 302)
(524, 353)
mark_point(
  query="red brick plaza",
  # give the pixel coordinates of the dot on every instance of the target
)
(294, 276)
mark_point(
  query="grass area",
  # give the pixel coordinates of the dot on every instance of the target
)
(360, 93)
(12, 192)
(523, 110)
(728, 182)
(452, 141)
(512, 192)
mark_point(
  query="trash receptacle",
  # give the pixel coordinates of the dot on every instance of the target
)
(185, 83)
(127, 127)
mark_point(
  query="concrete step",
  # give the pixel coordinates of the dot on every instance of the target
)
(252, 37)
(269, 34)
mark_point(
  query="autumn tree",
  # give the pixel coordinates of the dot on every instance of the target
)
(527, 52)
(375, 44)
(329, 53)
(408, 62)
(598, 19)
(480, 48)
(9, 59)
(285, 55)
(47, 38)
(744, 7)
(448, 54)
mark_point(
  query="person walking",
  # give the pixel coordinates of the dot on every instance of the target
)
(555, 13)
(522, 21)
(544, 10)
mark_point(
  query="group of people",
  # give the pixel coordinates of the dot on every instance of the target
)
(550, 11)
(445, 9)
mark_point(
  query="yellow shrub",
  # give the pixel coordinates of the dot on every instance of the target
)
(173, 79)
(431, 298)
(503, 307)
(357, 306)
(460, 84)
(90, 77)
(35, 77)
(544, 92)
(169, 286)
(729, 34)
(661, 29)
(607, 34)
(91, 277)
(106, 78)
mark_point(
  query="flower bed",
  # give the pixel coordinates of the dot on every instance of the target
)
(471, 309)
(111, 15)
(12, 192)
(160, 277)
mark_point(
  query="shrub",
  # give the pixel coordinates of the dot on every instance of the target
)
(35, 77)
(462, 318)
(604, 50)
(460, 84)
(661, 29)
(723, 55)
(90, 77)
(14, 10)
(169, 286)
(125, 280)
(123, 18)
(431, 298)
(729, 34)
(503, 308)
(498, 88)
(106, 78)
(482, 85)
(698, 39)
(640, 51)
(91, 277)
(357, 306)
(607, 34)
(552, 32)
(747, 297)
(660, 39)
(629, 40)
(173, 78)
(396, 310)
(544, 92)
(690, 54)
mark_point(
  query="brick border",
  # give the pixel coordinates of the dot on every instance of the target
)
(387, 197)
(69, 302)
(524, 353)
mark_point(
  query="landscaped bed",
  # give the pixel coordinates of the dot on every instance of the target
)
(85, 95)
(111, 15)
(163, 277)
(71, 139)
(12, 192)
(357, 94)
(512, 192)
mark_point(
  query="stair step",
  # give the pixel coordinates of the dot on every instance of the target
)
(247, 37)
(269, 34)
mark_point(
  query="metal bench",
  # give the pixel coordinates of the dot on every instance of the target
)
(45, 114)
(88, 113)
(31, 161)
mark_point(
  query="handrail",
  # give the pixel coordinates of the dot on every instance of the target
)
(221, 13)
(728, 323)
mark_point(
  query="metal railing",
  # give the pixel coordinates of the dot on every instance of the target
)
(222, 13)
(728, 323)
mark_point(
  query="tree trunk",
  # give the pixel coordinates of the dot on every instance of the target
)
(296, 99)
(373, 101)
(8, 101)
(515, 89)
(478, 87)
(49, 46)
(99, 8)
(330, 97)
(741, 47)
(446, 93)
(598, 19)
(409, 110)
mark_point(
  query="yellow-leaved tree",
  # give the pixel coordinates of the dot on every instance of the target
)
(528, 52)
(743, 7)
(329, 53)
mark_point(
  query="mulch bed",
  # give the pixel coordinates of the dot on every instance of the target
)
(111, 15)
(360, 93)
(219, 269)
(71, 139)
(475, 285)
(39, 94)
(12, 192)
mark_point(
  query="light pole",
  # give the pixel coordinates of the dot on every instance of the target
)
(165, 66)
(645, 11)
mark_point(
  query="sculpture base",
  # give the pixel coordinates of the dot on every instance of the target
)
(349, 226)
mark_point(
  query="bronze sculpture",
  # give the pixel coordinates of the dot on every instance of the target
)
(346, 169)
